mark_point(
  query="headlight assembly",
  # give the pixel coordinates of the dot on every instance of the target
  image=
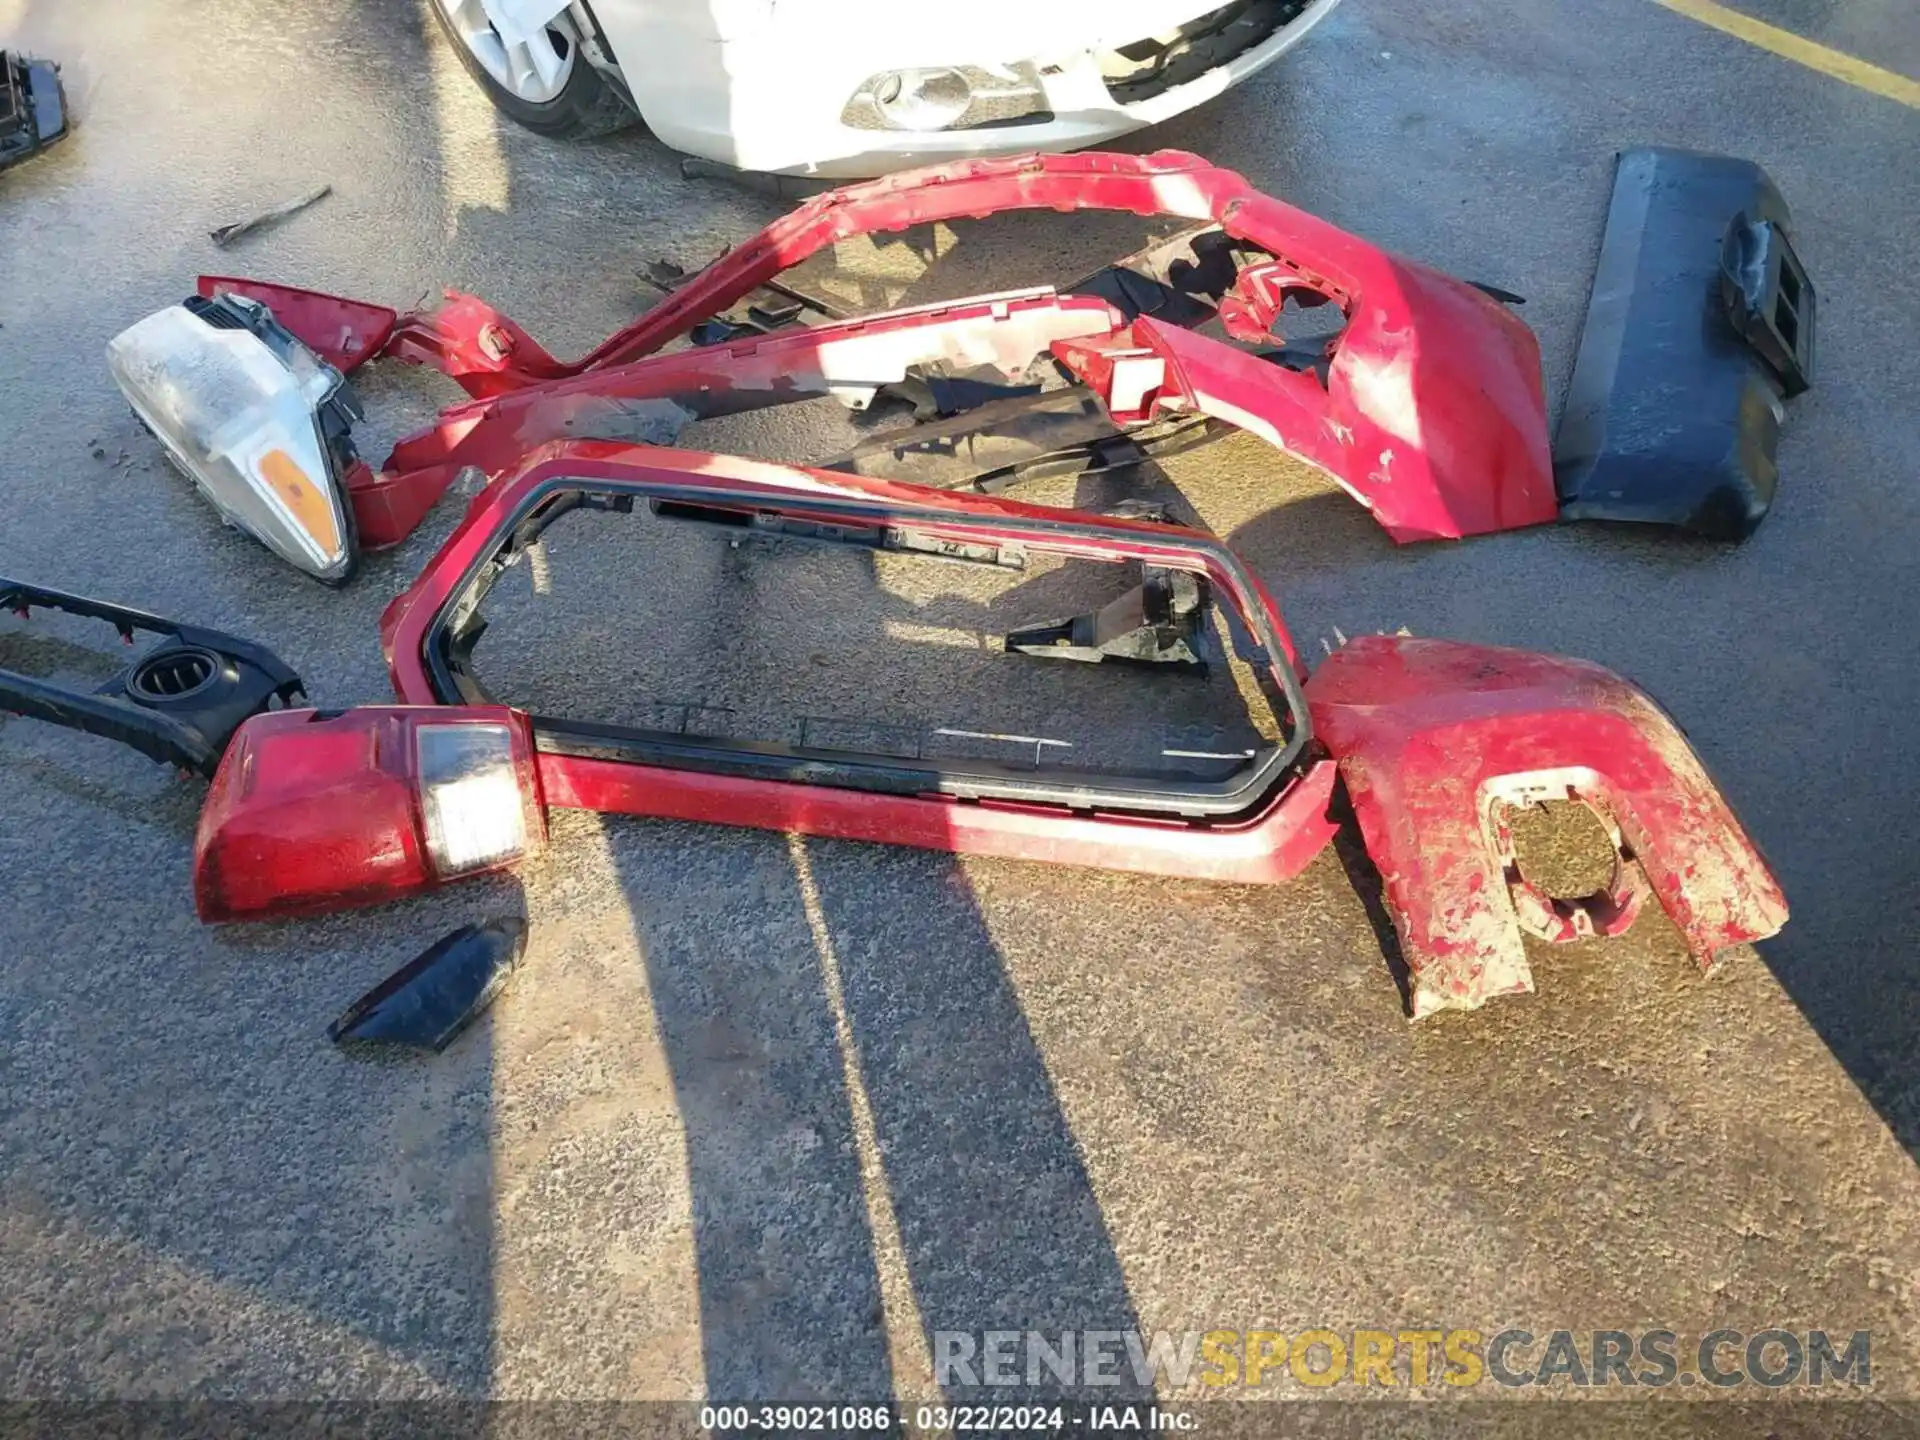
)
(254, 418)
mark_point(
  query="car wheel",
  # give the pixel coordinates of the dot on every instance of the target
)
(545, 84)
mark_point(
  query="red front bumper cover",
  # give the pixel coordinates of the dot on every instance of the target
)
(1427, 407)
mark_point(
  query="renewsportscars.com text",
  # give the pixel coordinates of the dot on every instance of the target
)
(1772, 1358)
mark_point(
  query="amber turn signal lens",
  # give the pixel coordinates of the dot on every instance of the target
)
(306, 501)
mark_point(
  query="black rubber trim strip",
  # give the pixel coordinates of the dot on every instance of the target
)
(855, 770)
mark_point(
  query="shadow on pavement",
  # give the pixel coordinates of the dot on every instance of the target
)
(872, 1139)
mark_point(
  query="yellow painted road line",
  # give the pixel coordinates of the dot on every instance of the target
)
(1837, 63)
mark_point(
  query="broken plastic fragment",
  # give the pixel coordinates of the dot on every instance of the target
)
(426, 1003)
(225, 235)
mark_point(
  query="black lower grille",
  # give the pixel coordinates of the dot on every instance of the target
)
(1153, 66)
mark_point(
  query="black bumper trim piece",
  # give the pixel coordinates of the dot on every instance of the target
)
(179, 702)
(1701, 324)
(429, 1001)
(33, 107)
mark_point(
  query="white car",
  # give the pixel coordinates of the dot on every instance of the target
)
(844, 88)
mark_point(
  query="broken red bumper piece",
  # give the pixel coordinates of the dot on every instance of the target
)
(1437, 740)
(317, 812)
(1427, 407)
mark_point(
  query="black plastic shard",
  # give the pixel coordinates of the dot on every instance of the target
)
(1700, 326)
(426, 1003)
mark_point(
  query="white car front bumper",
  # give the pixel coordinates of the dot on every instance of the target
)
(772, 94)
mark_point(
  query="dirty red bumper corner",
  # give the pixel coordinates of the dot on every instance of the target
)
(1437, 740)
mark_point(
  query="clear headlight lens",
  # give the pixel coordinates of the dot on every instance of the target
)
(471, 797)
(237, 402)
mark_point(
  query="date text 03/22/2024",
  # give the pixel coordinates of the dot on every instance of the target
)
(947, 1419)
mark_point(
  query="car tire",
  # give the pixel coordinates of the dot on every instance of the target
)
(586, 105)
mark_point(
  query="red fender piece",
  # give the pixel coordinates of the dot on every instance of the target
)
(1435, 740)
(344, 333)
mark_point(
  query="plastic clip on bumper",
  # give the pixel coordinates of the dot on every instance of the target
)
(1429, 409)
(179, 702)
(1435, 740)
(1700, 327)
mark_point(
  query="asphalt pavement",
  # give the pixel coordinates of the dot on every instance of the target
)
(760, 1117)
